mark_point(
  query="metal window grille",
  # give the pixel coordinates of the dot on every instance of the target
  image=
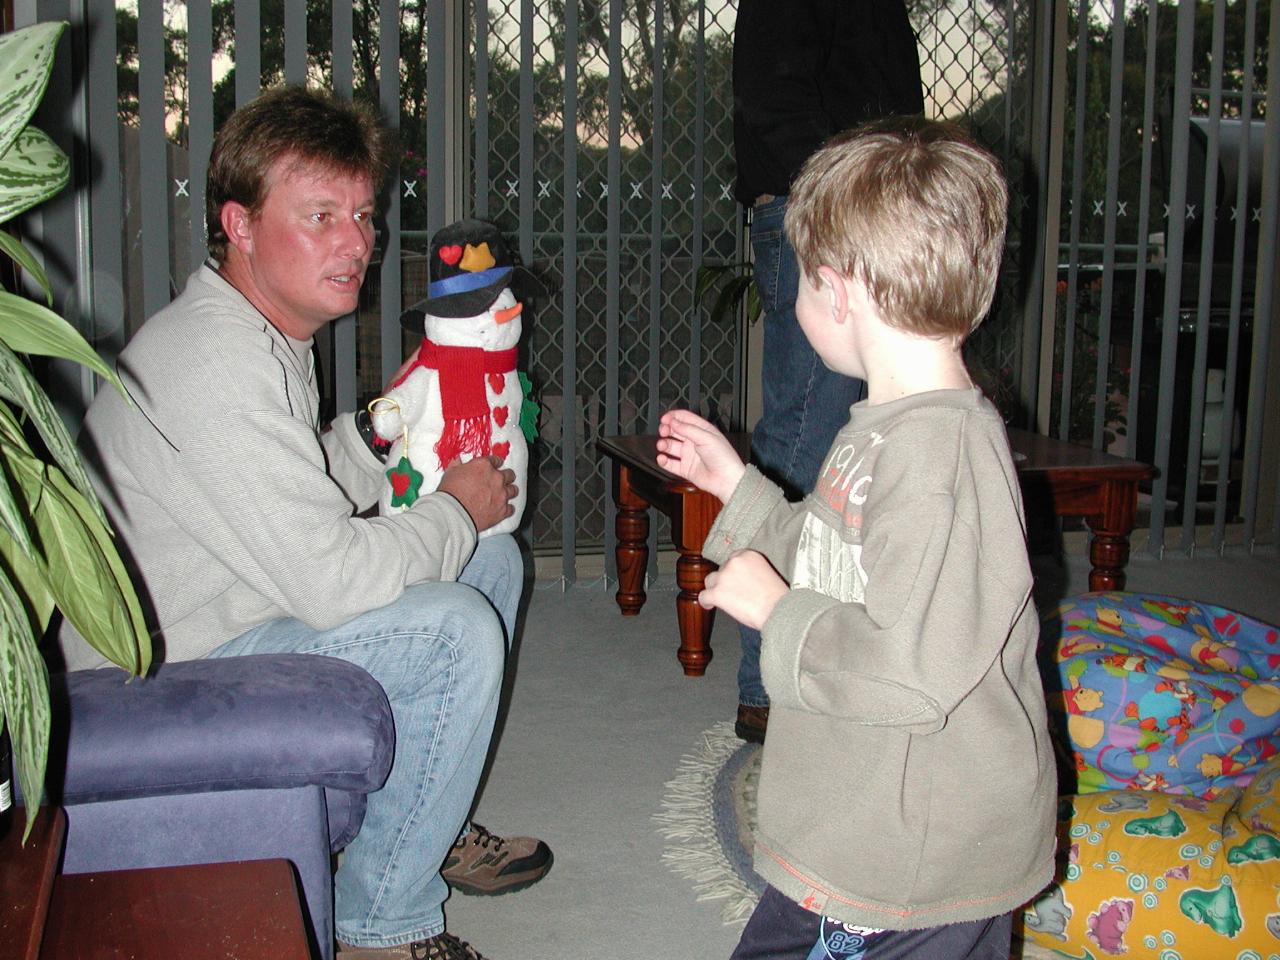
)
(1165, 295)
(599, 137)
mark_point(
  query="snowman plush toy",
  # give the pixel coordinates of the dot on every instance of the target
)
(461, 396)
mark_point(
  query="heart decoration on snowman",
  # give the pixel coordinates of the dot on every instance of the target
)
(461, 397)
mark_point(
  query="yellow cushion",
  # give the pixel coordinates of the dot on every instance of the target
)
(1144, 874)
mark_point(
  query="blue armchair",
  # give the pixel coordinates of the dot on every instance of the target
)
(214, 760)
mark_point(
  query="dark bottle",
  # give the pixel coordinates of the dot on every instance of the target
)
(6, 783)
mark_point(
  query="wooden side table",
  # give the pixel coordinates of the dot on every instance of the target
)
(247, 910)
(27, 874)
(638, 484)
(1077, 481)
(1068, 479)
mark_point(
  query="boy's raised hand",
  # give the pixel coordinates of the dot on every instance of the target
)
(692, 448)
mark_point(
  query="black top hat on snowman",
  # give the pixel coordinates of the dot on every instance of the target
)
(469, 265)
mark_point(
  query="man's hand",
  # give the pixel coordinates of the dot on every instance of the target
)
(747, 588)
(692, 448)
(484, 488)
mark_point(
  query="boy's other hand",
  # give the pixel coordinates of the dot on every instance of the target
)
(484, 489)
(692, 448)
(747, 588)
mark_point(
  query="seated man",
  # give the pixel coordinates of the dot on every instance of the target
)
(240, 515)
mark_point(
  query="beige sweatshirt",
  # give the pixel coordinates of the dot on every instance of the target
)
(908, 779)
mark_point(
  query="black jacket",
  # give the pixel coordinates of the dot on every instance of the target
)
(806, 69)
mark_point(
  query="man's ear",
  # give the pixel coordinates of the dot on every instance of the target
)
(836, 293)
(237, 224)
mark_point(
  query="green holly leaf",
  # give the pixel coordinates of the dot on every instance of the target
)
(529, 409)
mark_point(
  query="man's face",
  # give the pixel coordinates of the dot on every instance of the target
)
(306, 251)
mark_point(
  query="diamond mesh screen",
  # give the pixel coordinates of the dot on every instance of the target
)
(648, 347)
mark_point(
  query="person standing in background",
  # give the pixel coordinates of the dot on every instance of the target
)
(802, 72)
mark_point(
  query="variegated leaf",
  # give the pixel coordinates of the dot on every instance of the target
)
(32, 170)
(29, 328)
(19, 387)
(13, 512)
(26, 58)
(24, 695)
(23, 258)
(119, 633)
(26, 570)
(83, 569)
(26, 575)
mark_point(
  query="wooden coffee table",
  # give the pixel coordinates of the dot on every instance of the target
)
(1068, 479)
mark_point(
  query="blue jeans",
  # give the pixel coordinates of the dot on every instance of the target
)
(805, 403)
(438, 652)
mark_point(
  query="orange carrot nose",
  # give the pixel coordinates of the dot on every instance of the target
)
(506, 316)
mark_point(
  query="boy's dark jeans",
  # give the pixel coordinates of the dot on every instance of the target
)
(781, 929)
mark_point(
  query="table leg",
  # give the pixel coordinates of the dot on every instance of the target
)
(695, 622)
(1109, 548)
(632, 553)
(689, 530)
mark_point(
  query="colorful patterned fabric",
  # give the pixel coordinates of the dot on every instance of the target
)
(1159, 877)
(1156, 693)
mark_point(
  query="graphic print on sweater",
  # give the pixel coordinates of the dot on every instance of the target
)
(829, 560)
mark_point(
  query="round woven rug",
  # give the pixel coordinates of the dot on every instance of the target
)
(708, 813)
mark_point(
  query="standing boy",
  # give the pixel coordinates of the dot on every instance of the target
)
(907, 793)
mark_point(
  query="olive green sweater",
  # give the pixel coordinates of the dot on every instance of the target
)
(907, 780)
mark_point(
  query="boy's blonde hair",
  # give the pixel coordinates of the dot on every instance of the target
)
(916, 211)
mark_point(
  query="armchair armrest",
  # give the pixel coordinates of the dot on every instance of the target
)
(277, 720)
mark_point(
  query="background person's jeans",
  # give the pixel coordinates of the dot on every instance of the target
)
(805, 404)
(438, 652)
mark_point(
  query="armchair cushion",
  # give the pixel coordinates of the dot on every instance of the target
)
(279, 720)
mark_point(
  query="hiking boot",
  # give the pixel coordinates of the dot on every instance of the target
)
(484, 864)
(443, 946)
(752, 723)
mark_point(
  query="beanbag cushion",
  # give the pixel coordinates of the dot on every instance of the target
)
(1151, 875)
(1157, 693)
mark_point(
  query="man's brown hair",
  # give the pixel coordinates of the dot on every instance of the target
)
(916, 211)
(309, 127)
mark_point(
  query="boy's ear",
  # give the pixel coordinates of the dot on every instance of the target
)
(836, 293)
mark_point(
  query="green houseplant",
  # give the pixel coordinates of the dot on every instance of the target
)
(56, 547)
(734, 285)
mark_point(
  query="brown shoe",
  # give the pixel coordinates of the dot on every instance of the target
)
(484, 864)
(443, 946)
(752, 723)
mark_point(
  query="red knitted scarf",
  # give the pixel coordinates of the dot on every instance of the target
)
(462, 397)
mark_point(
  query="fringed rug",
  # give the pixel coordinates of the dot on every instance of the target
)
(708, 812)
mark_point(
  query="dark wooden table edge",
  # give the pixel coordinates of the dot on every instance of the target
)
(1109, 484)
